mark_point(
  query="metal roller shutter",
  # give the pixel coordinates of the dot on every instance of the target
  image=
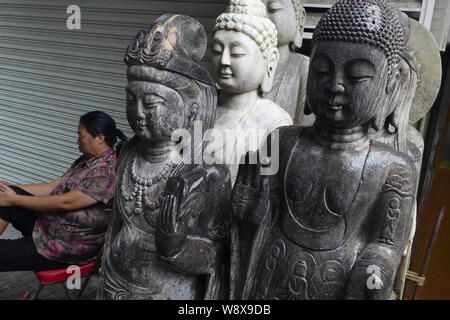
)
(416, 9)
(50, 75)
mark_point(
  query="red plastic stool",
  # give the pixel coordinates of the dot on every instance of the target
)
(51, 277)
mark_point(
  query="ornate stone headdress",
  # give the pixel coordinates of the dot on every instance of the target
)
(250, 18)
(371, 22)
(174, 43)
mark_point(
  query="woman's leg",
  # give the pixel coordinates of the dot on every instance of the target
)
(21, 255)
(21, 219)
(3, 225)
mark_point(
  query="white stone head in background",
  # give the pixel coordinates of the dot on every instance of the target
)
(289, 88)
(244, 61)
(245, 37)
(289, 17)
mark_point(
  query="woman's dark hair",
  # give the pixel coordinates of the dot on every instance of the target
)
(99, 122)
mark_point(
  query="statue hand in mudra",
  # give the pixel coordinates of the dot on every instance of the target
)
(172, 228)
(251, 193)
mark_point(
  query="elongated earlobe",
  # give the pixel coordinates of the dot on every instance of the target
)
(393, 81)
(392, 85)
(378, 121)
(272, 62)
(298, 42)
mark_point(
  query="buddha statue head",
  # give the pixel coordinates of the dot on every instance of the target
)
(245, 54)
(289, 17)
(355, 63)
(167, 88)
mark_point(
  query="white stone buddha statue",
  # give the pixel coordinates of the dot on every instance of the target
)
(245, 58)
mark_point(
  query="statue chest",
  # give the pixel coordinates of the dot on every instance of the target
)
(319, 189)
(139, 198)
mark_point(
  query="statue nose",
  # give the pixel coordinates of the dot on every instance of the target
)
(337, 88)
(336, 85)
(140, 110)
(225, 60)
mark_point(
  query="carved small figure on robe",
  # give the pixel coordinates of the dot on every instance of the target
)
(289, 85)
(244, 61)
(330, 284)
(170, 222)
(340, 202)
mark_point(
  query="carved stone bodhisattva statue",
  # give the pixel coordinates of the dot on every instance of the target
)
(334, 221)
(244, 61)
(289, 85)
(170, 219)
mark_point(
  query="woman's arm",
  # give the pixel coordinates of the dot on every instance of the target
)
(38, 189)
(72, 200)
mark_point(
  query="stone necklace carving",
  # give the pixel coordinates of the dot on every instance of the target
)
(141, 186)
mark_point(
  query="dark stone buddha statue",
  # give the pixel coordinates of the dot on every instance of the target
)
(334, 221)
(289, 84)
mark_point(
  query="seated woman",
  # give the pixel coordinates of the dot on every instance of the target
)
(63, 221)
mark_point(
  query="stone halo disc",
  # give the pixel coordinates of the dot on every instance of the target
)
(427, 54)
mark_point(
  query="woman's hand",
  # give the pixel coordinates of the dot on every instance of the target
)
(7, 196)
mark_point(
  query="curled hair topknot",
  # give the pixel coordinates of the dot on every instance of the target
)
(371, 22)
(250, 18)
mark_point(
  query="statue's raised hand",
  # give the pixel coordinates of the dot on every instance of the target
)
(172, 228)
(251, 193)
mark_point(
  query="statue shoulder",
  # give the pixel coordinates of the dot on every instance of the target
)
(287, 136)
(301, 63)
(127, 145)
(208, 197)
(415, 138)
(278, 116)
(125, 151)
(304, 60)
(300, 60)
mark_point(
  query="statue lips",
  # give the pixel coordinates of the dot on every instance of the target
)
(225, 74)
(336, 103)
(333, 112)
(335, 107)
(141, 124)
(225, 71)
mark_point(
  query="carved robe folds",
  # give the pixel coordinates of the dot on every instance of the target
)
(329, 226)
(135, 268)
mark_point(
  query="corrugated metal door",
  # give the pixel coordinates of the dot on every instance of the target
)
(50, 75)
(415, 9)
